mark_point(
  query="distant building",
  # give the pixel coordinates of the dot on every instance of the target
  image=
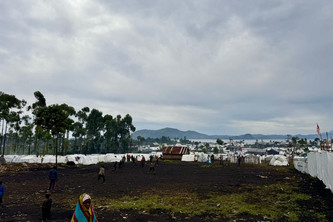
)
(175, 152)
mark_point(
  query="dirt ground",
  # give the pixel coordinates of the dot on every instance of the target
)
(26, 186)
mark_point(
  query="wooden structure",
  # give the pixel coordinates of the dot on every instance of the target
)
(175, 152)
(326, 145)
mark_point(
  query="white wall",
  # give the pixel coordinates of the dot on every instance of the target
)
(317, 164)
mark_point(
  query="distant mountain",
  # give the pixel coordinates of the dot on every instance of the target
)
(169, 132)
(175, 133)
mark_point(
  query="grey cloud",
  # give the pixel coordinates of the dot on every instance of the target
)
(216, 66)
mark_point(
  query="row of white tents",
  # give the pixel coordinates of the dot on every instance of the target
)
(276, 160)
(75, 158)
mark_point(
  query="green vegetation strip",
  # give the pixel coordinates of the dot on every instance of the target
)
(273, 202)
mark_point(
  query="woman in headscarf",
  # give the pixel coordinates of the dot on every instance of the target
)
(83, 211)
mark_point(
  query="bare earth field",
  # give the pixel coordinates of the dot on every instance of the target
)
(179, 191)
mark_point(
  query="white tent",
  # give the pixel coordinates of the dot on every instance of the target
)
(188, 158)
(279, 160)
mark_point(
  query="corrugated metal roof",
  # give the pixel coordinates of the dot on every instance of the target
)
(179, 150)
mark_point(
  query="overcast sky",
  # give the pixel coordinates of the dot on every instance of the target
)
(216, 67)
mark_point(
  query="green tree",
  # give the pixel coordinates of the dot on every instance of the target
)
(26, 133)
(219, 141)
(125, 134)
(40, 103)
(109, 124)
(10, 111)
(81, 126)
(294, 141)
(78, 132)
(95, 125)
(55, 119)
(141, 140)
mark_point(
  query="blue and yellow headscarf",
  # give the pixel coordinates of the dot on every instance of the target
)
(81, 213)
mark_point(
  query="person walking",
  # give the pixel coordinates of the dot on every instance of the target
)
(239, 159)
(152, 168)
(53, 176)
(212, 158)
(156, 161)
(143, 161)
(133, 160)
(83, 210)
(46, 208)
(101, 173)
(221, 159)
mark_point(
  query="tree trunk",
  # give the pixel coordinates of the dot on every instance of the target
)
(62, 138)
(2, 133)
(67, 142)
(35, 141)
(4, 140)
(29, 148)
(46, 146)
(56, 149)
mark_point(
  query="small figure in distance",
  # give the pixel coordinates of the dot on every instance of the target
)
(212, 158)
(46, 208)
(156, 161)
(133, 160)
(152, 168)
(101, 173)
(83, 210)
(143, 161)
(115, 166)
(239, 159)
(221, 159)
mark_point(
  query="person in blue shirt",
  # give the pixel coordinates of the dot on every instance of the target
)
(2, 191)
(53, 176)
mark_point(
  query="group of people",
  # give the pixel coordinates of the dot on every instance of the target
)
(83, 211)
(133, 159)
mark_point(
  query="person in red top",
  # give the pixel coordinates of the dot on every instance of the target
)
(143, 160)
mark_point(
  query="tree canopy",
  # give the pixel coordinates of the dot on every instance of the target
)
(61, 126)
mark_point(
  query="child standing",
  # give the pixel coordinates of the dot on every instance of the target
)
(46, 208)
(2, 192)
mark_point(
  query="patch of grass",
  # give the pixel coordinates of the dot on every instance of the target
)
(276, 202)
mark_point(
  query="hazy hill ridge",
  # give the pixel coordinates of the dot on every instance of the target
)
(175, 133)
